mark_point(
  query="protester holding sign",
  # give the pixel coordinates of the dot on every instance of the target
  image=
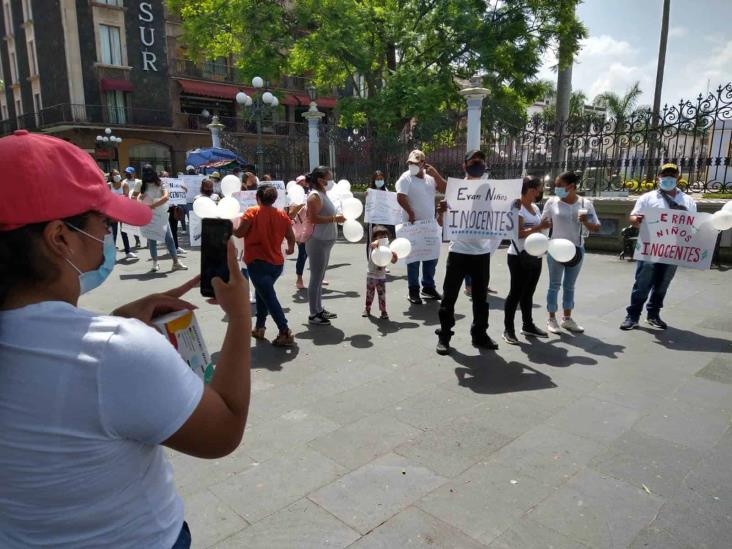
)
(155, 195)
(416, 195)
(525, 269)
(89, 400)
(298, 213)
(120, 187)
(378, 185)
(466, 257)
(572, 218)
(650, 277)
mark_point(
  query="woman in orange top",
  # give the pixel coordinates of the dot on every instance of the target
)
(263, 229)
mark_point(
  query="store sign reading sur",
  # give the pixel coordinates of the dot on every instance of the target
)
(147, 37)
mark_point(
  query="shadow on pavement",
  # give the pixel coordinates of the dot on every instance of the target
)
(330, 335)
(337, 294)
(427, 313)
(491, 376)
(386, 327)
(545, 352)
(144, 276)
(267, 356)
(685, 340)
(337, 266)
(593, 345)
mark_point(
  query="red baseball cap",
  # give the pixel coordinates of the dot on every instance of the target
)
(45, 178)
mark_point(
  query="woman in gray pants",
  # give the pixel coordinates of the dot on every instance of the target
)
(322, 214)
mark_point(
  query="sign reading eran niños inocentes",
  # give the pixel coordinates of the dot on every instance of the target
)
(481, 208)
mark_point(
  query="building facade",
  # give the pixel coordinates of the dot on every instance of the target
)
(73, 68)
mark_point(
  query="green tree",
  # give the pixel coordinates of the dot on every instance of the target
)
(401, 57)
(618, 106)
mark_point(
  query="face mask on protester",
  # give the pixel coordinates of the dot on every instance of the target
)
(475, 170)
(379, 183)
(93, 279)
(668, 183)
(116, 178)
(329, 185)
(561, 192)
(414, 169)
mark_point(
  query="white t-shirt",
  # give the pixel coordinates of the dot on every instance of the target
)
(134, 184)
(421, 195)
(531, 219)
(654, 199)
(85, 402)
(565, 218)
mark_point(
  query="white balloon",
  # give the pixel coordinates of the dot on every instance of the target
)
(296, 195)
(352, 208)
(204, 207)
(536, 244)
(721, 220)
(230, 184)
(381, 256)
(344, 185)
(289, 185)
(402, 247)
(227, 208)
(727, 207)
(345, 196)
(352, 230)
(561, 249)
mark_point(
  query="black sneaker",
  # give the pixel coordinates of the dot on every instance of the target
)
(430, 293)
(328, 314)
(629, 323)
(443, 347)
(318, 320)
(510, 338)
(485, 342)
(414, 297)
(533, 330)
(656, 321)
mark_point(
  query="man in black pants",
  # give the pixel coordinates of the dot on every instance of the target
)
(467, 258)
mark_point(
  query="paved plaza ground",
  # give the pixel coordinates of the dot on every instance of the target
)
(363, 437)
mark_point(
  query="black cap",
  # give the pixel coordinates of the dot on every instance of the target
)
(475, 153)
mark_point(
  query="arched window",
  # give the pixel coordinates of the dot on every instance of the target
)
(150, 153)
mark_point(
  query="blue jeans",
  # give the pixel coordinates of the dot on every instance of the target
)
(169, 243)
(653, 278)
(302, 256)
(559, 275)
(264, 275)
(184, 538)
(428, 274)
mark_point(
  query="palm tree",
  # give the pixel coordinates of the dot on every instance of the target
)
(620, 107)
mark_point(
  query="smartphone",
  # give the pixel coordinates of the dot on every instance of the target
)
(215, 235)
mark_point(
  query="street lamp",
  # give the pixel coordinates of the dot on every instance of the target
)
(109, 141)
(259, 105)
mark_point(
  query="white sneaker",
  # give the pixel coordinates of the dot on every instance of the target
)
(155, 267)
(180, 251)
(553, 326)
(130, 256)
(570, 325)
(178, 266)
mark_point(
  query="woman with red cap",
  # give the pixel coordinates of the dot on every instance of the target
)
(87, 401)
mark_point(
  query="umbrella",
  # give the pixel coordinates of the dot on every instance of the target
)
(212, 156)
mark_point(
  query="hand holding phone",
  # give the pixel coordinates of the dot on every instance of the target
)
(215, 237)
(232, 296)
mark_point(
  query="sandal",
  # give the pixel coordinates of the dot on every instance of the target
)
(284, 339)
(258, 333)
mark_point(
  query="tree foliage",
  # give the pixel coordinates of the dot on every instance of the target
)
(399, 59)
(621, 106)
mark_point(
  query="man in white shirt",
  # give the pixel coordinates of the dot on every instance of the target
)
(135, 185)
(467, 258)
(655, 278)
(416, 195)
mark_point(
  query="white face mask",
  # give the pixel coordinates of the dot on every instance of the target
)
(414, 169)
(116, 178)
(379, 183)
(329, 185)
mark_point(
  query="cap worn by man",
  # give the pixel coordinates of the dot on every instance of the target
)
(669, 167)
(415, 157)
(190, 168)
(130, 170)
(215, 175)
(475, 153)
(55, 179)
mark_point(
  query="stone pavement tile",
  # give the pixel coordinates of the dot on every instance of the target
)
(302, 525)
(713, 472)
(192, 475)
(485, 500)
(599, 420)
(358, 443)
(637, 391)
(513, 417)
(548, 454)
(431, 408)
(528, 534)
(368, 496)
(276, 483)
(705, 393)
(210, 520)
(598, 510)
(415, 528)
(719, 369)
(655, 538)
(699, 517)
(695, 427)
(720, 322)
(295, 428)
(453, 447)
(640, 459)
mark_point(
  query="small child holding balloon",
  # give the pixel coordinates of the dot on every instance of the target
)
(376, 276)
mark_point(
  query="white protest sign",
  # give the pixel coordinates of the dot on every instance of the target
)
(130, 230)
(156, 229)
(481, 208)
(247, 199)
(194, 230)
(382, 208)
(281, 201)
(676, 237)
(176, 191)
(425, 238)
(193, 184)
